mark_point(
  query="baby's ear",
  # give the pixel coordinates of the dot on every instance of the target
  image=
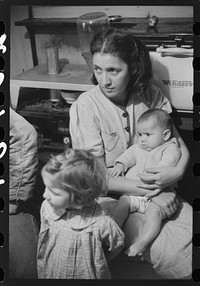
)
(166, 134)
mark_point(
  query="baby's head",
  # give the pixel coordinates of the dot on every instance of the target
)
(73, 179)
(154, 128)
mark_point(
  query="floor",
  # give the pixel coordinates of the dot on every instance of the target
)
(127, 268)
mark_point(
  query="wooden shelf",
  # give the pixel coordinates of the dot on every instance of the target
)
(165, 26)
(70, 22)
(166, 30)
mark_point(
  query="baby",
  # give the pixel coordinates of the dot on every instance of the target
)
(155, 148)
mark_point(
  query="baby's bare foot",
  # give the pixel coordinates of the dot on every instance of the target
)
(136, 249)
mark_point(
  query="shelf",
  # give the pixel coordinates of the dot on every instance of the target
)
(165, 26)
(69, 22)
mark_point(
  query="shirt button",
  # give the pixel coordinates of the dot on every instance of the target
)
(127, 129)
(125, 114)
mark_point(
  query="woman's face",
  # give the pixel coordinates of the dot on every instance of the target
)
(112, 75)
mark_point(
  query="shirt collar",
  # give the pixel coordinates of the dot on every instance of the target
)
(77, 218)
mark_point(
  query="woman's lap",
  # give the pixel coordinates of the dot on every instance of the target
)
(171, 252)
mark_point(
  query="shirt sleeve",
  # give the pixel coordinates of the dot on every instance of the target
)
(85, 128)
(112, 236)
(170, 156)
(128, 158)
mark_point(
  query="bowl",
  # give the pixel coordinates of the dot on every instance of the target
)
(70, 95)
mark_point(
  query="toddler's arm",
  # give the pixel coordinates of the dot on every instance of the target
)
(112, 237)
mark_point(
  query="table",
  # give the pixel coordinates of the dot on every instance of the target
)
(71, 77)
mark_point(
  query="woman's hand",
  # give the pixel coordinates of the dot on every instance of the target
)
(154, 193)
(160, 177)
(168, 202)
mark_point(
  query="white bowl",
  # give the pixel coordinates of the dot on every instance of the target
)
(70, 95)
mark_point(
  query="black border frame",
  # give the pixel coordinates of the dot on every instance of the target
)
(4, 122)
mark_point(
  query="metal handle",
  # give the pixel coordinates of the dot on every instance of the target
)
(174, 51)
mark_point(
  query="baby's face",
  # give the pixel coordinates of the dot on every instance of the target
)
(150, 135)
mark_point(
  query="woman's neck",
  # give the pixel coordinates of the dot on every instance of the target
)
(121, 101)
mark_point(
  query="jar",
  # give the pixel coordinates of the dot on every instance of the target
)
(52, 59)
(87, 26)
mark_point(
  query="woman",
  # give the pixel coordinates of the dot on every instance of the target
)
(103, 120)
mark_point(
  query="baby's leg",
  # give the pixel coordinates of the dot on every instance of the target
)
(151, 228)
(122, 210)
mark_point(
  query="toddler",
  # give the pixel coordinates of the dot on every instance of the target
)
(76, 237)
(155, 148)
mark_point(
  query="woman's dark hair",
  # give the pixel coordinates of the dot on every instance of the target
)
(127, 47)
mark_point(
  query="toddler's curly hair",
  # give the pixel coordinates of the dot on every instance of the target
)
(78, 172)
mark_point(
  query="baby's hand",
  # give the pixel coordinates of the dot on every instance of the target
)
(117, 170)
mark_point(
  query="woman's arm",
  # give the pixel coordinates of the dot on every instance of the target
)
(160, 178)
(185, 155)
(123, 186)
